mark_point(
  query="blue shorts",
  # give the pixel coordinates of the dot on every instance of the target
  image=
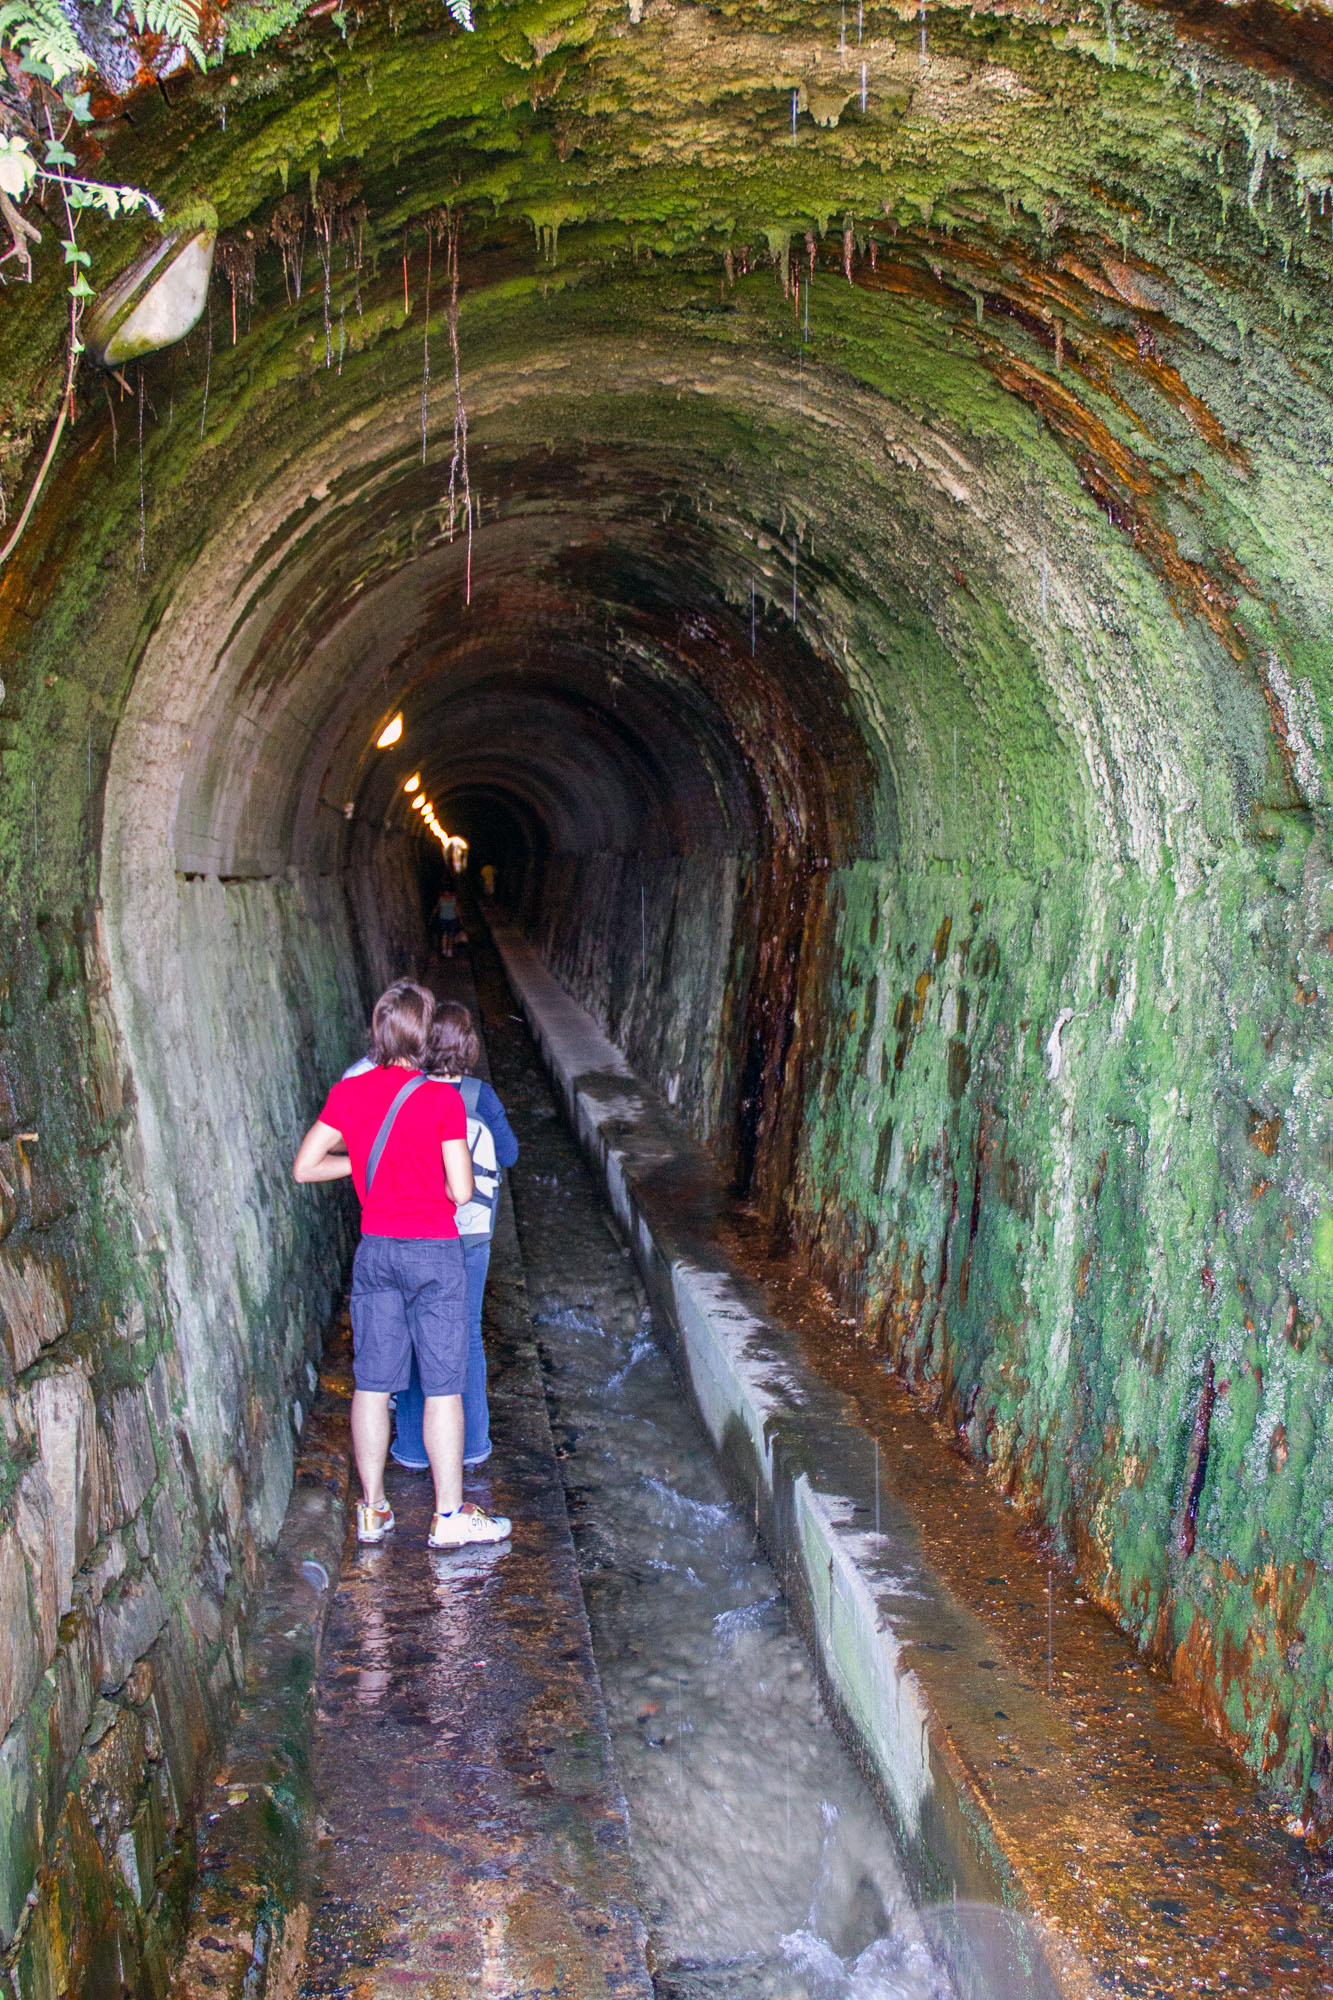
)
(409, 1295)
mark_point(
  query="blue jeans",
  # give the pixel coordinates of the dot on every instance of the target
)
(408, 1445)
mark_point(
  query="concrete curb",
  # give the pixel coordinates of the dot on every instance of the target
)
(250, 1912)
(795, 1449)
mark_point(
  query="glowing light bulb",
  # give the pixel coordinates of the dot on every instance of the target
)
(413, 784)
(390, 733)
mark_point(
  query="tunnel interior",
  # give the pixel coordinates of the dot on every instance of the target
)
(841, 504)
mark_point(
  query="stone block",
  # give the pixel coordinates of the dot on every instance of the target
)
(43, 1959)
(113, 1782)
(20, 1655)
(127, 1855)
(205, 1618)
(158, 1387)
(104, 1075)
(42, 1190)
(73, 1940)
(34, 1518)
(139, 1686)
(132, 1324)
(165, 1533)
(233, 1500)
(74, 1674)
(9, 1190)
(35, 1303)
(108, 1564)
(65, 1425)
(133, 1461)
(186, 1723)
(128, 1624)
(149, 1836)
(20, 1830)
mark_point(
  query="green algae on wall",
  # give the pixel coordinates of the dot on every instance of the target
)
(1065, 1201)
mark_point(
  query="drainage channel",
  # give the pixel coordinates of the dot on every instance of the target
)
(763, 1867)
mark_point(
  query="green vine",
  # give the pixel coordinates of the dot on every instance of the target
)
(45, 71)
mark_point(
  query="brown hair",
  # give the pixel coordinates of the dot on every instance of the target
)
(400, 1025)
(455, 1049)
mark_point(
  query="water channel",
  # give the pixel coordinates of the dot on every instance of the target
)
(764, 1868)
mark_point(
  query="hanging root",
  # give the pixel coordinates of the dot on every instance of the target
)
(287, 229)
(21, 232)
(460, 489)
(235, 258)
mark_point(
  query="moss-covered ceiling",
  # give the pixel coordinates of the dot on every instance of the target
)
(1047, 281)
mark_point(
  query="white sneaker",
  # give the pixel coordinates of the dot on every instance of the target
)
(468, 1525)
(373, 1523)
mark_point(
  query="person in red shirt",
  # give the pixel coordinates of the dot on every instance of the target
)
(405, 1149)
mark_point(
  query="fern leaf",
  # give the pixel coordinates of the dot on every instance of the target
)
(177, 20)
(461, 11)
(38, 30)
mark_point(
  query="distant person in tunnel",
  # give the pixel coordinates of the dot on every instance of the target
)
(454, 1053)
(407, 1154)
(447, 921)
(488, 881)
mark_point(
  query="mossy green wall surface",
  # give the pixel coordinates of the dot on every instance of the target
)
(1077, 1158)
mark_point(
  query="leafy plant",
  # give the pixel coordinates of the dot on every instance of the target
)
(44, 90)
(248, 27)
(41, 32)
(40, 108)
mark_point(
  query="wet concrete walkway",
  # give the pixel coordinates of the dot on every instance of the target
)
(476, 1839)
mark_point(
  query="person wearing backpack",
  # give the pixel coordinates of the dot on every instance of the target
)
(453, 1056)
(403, 1141)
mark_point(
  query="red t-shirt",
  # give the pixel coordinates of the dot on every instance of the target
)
(409, 1197)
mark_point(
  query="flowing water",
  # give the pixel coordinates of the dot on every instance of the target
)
(764, 1869)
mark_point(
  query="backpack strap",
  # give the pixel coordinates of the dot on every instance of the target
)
(413, 1083)
(469, 1089)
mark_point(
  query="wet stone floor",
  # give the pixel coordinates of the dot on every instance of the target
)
(476, 1841)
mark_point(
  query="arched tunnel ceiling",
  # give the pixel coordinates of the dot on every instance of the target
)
(580, 654)
(984, 348)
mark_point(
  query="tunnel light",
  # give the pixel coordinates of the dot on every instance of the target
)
(413, 784)
(390, 733)
(419, 803)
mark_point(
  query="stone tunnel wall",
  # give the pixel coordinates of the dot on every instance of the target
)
(1062, 1147)
(163, 1293)
(1065, 1152)
(658, 952)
